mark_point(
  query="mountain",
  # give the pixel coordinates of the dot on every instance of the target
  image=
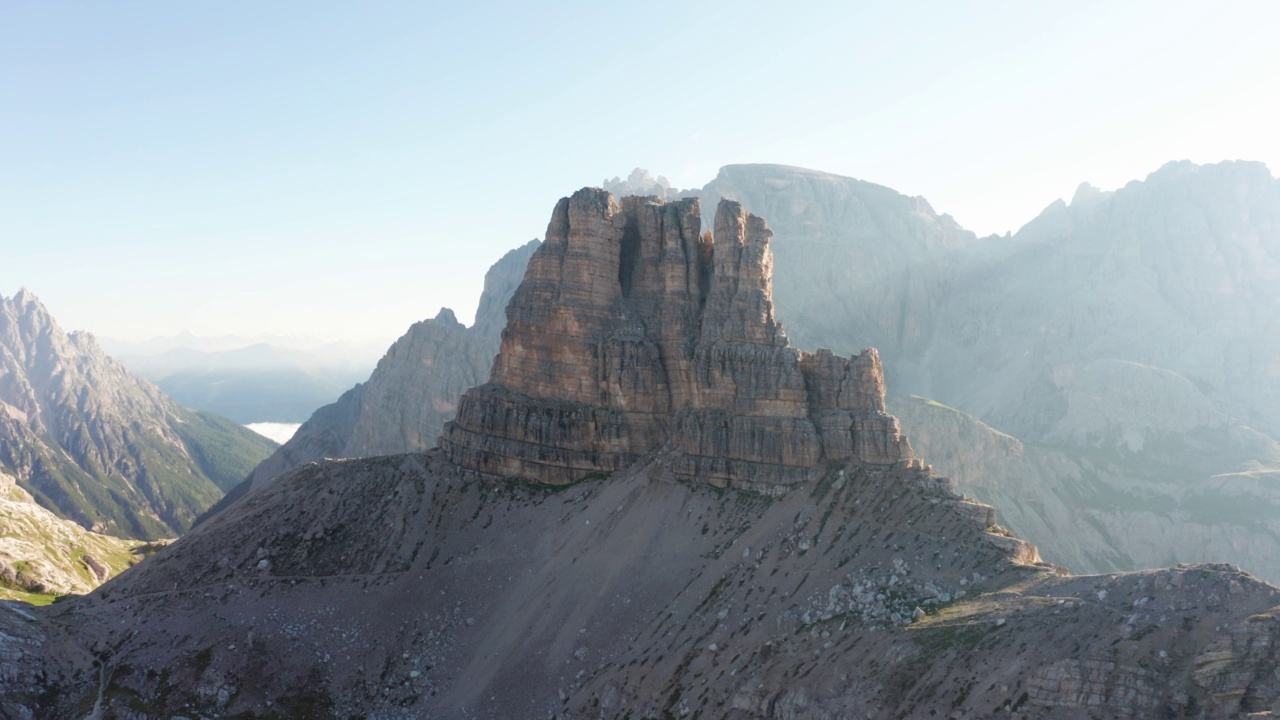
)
(633, 333)
(1111, 509)
(807, 278)
(43, 556)
(857, 264)
(321, 352)
(98, 446)
(1126, 343)
(656, 507)
(414, 390)
(1090, 338)
(1177, 272)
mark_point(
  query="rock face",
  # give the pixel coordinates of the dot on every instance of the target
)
(415, 388)
(1173, 495)
(633, 332)
(1177, 272)
(96, 445)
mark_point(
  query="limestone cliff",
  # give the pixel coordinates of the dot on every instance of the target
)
(634, 332)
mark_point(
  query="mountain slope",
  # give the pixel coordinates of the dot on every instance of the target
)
(100, 447)
(1186, 498)
(43, 556)
(1178, 272)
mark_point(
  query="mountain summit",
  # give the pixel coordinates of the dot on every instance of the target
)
(100, 447)
(840, 583)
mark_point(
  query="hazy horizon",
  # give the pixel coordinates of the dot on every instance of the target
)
(342, 172)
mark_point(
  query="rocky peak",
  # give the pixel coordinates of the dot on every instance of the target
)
(634, 332)
(500, 283)
(90, 441)
(25, 299)
(1087, 195)
(640, 182)
(26, 326)
(447, 317)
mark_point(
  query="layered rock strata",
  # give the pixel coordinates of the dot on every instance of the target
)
(634, 332)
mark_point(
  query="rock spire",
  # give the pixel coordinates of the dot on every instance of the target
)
(634, 332)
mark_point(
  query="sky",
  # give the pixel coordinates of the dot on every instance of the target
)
(342, 170)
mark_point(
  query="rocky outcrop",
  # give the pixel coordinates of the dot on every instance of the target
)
(634, 332)
(95, 444)
(44, 555)
(415, 388)
(1236, 670)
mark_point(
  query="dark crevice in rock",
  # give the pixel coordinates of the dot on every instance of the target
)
(628, 257)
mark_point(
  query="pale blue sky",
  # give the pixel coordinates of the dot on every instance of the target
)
(341, 170)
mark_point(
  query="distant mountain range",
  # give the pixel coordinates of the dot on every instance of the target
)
(98, 446)
(249, 380)
(325, 352)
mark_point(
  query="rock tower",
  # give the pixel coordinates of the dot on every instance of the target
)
(635, 333)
